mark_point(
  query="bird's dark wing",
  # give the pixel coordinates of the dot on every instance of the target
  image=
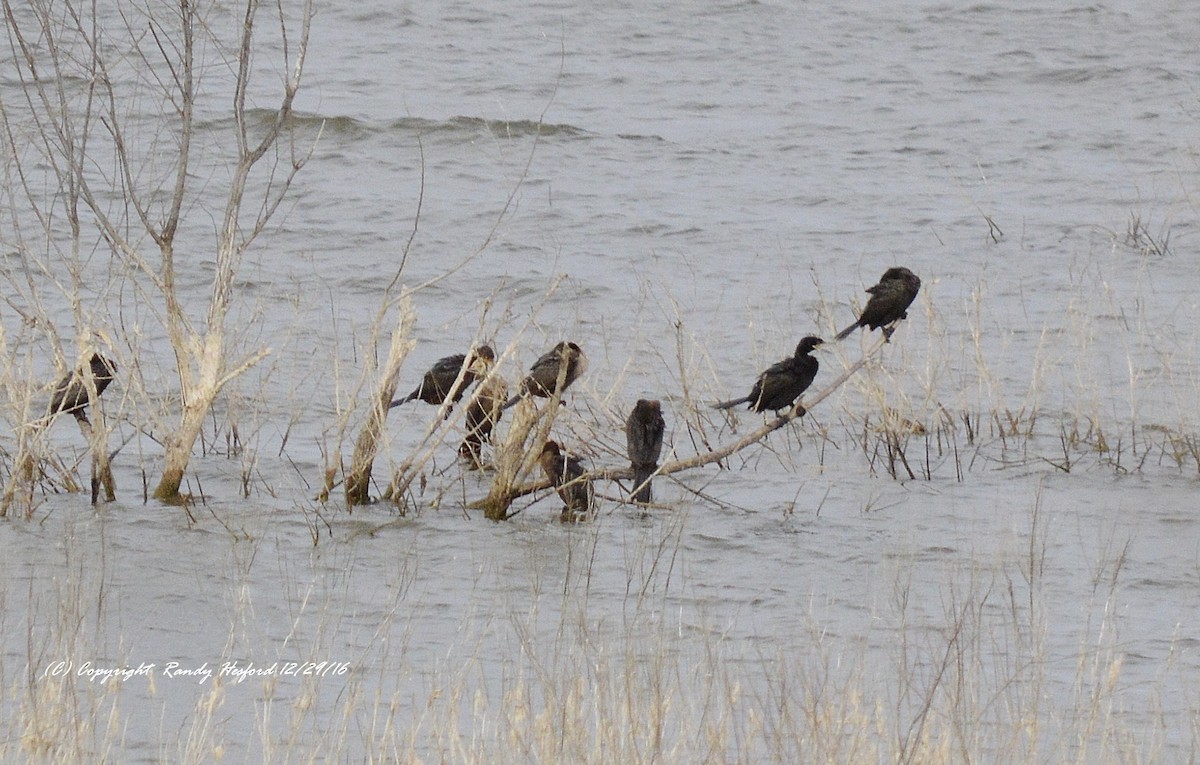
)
(450, 365)
(436, 385)
(782, 383)
(887, 303)
(644, 435)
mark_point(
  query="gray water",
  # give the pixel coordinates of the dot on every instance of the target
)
(728, 176)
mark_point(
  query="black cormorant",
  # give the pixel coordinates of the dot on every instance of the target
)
(483, 414)
(438, 383)
(565, 473)
(783, 382)
(544, 374)
(644, 438)
(71, 393)
(889, 302)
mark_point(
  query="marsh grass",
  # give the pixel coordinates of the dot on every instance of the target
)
(936, 403)
(52, 717)
(924, 407)
(1140, 239)
(966, 676)
(924, 413)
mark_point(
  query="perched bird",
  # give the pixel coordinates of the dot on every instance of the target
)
(889, 301)
(483, 414)
(437, 386)
(644, 438)
(71, 393)
(566, 473)
(783, 382)
(544, 375)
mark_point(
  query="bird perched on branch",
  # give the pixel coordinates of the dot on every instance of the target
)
(783, 382)
(566, 474)
(483, 414)
(437, 386)
(644, 437)
(71, 393)
(889, 301)
(564, 363)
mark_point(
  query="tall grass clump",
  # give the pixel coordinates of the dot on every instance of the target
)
(960, 673)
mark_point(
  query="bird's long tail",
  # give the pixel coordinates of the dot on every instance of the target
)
(731, 403)
(511, 402)
(641, 482)
(400, 401)
(846, 332)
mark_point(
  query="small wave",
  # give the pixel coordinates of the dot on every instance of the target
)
(480, 125)
(1074, 75)
(335, 126)
(352, 127)
(302, 121)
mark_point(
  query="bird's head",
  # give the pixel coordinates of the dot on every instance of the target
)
(571, 352)
(102, 368)
(806, 346)
(648, 407)
(899, 273)
(482, 359)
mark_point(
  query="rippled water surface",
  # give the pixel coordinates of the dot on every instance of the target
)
(685, 190)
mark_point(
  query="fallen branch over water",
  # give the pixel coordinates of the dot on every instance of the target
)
(798, 410)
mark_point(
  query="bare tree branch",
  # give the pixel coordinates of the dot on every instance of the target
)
(715, 455)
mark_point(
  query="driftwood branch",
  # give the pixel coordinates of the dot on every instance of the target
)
(716, 455)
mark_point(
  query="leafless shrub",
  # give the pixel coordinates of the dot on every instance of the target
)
(119, 178)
